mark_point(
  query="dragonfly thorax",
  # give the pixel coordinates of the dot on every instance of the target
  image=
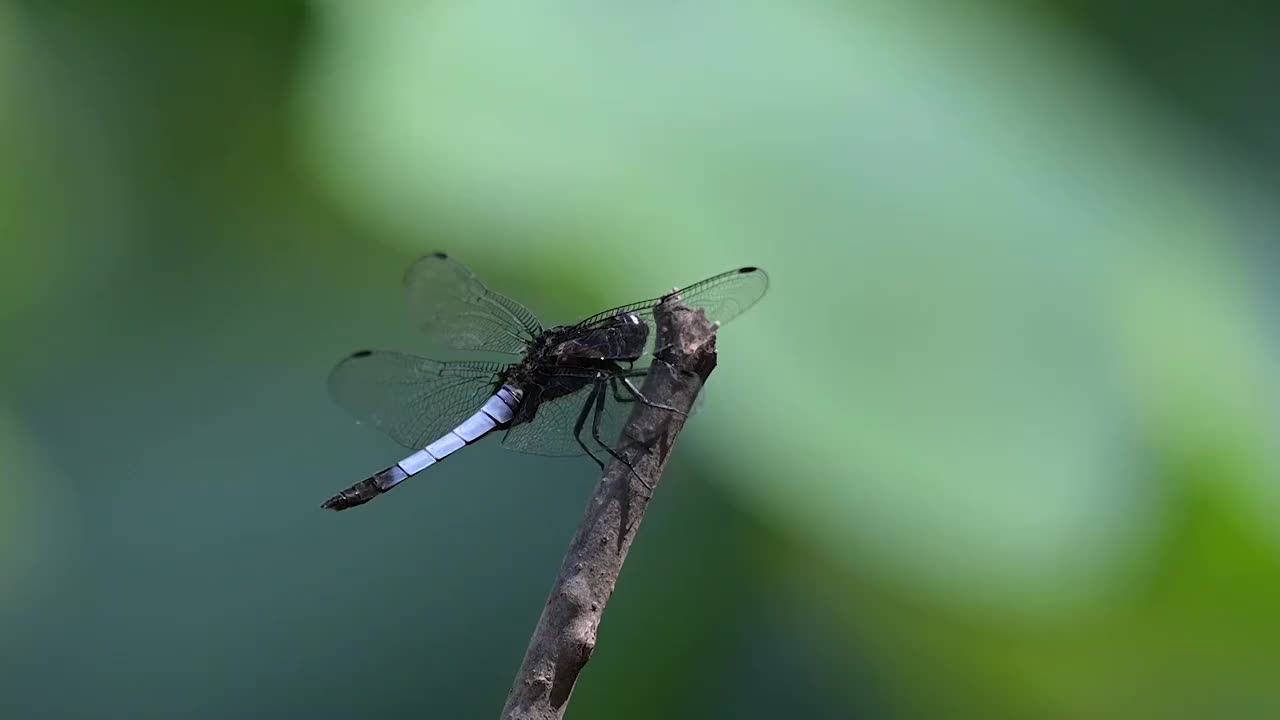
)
(620, 338)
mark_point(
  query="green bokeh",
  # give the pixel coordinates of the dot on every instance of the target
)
(998, 443)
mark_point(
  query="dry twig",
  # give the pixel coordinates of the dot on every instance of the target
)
(566, 633)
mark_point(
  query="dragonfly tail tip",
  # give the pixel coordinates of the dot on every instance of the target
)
(336, 503)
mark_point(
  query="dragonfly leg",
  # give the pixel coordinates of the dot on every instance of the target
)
(581, 422)
(635, 391)
(658, 358)
(598, 397)
(619, 397)
(635, 394)
(617, 394)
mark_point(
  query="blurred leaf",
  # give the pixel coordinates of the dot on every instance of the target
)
(1195, 637)
(15, 281)
(51, 199)
(34, 528)
(961, 216)
(1014, 362)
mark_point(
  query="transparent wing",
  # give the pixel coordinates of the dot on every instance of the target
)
(451, 305)
(552, 430)
(722, 298)
(412, 399)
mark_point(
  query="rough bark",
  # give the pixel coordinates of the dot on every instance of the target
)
(566, 633)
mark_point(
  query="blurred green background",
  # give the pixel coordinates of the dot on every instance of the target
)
(1001, 442)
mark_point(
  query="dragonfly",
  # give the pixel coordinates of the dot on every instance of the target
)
(565, 390)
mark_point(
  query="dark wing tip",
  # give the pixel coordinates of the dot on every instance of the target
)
(361, 353)
(439, 255)
(759, 271)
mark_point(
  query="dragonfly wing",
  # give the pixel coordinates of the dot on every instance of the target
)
(412, 399)
(554, 430)
(454, 307)
(722, 298)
